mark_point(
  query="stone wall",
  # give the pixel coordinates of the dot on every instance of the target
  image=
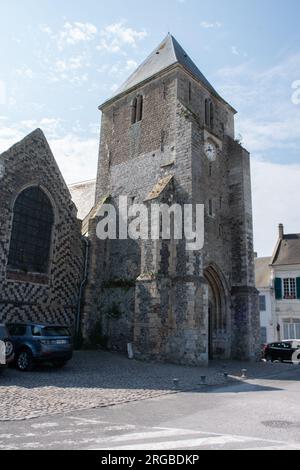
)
(169, 318)
(29, 297)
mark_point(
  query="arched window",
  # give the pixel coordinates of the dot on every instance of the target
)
(30, 243)
(137, 109)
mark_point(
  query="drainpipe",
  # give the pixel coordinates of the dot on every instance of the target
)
(82, 285)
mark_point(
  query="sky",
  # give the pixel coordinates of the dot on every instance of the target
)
(61, 60)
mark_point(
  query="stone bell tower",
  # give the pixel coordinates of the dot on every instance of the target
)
(167, 136)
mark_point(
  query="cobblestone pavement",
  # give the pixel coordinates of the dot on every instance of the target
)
(101, 379)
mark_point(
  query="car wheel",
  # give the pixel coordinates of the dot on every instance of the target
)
(24, 361)
(269, 359)
(59, 364)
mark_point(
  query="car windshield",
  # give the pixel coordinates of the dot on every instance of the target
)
(55, 331)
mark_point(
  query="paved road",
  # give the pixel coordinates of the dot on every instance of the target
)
(259, 414)
(99, 379)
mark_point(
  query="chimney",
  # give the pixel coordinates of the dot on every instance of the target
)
(281, 231)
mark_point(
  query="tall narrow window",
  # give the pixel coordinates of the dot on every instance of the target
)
(207, 112)
(190, 92)
(30, 243)
(133, 111)
(211, 115)
(139, 111)
(210, 208)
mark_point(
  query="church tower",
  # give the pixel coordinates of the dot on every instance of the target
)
(168, 136)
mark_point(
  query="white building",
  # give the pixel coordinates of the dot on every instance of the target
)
(278, 281)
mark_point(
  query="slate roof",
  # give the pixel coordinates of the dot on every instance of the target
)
(262, 272)
(288, 251)
(168, 53)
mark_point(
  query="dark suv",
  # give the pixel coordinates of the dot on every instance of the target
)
(38, 343)
(6, 348)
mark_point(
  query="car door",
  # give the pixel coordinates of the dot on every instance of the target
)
(275, 351)
(17, 334)
(287, 352)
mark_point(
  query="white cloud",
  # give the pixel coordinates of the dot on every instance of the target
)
(268, 120)
(26, 72)
(77, 158)
(72, 33)
(3, 93)
(210, 25)
(269, 123)
(131, 65)
(116, 36)
(276, 193)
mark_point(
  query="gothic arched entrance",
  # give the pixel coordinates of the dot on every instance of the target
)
(218, 315)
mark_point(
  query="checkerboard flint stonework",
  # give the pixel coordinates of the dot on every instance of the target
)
(52, 298)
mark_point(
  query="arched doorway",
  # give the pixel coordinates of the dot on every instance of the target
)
(218, 315)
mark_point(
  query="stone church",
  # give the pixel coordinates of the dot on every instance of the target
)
(167, 137)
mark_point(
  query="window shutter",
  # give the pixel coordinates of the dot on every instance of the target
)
(298, 288)
(278, 288)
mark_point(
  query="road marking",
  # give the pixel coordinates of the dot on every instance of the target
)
(44, 425)
(287, 447)
(85, 422)
(150, 435)
(184, 444)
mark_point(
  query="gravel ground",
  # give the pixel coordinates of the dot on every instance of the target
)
(101, 379)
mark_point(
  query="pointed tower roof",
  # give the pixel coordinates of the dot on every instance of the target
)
(166, 55)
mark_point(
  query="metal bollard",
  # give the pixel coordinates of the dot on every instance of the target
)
(176, 383)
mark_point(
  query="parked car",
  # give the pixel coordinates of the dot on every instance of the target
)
(37, 343)
(6, 348)
(283, 351)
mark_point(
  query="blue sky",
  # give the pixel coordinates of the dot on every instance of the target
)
(60, 60)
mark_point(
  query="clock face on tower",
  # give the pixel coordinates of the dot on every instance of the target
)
(210, 150)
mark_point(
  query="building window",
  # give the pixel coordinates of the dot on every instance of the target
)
(289, 288)
(209, 114)
(190, 92)
(210, 208)
(263, 335)
(291, 328)
(30, 243)
(137, 108)
(133, 111)
(262, 303)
